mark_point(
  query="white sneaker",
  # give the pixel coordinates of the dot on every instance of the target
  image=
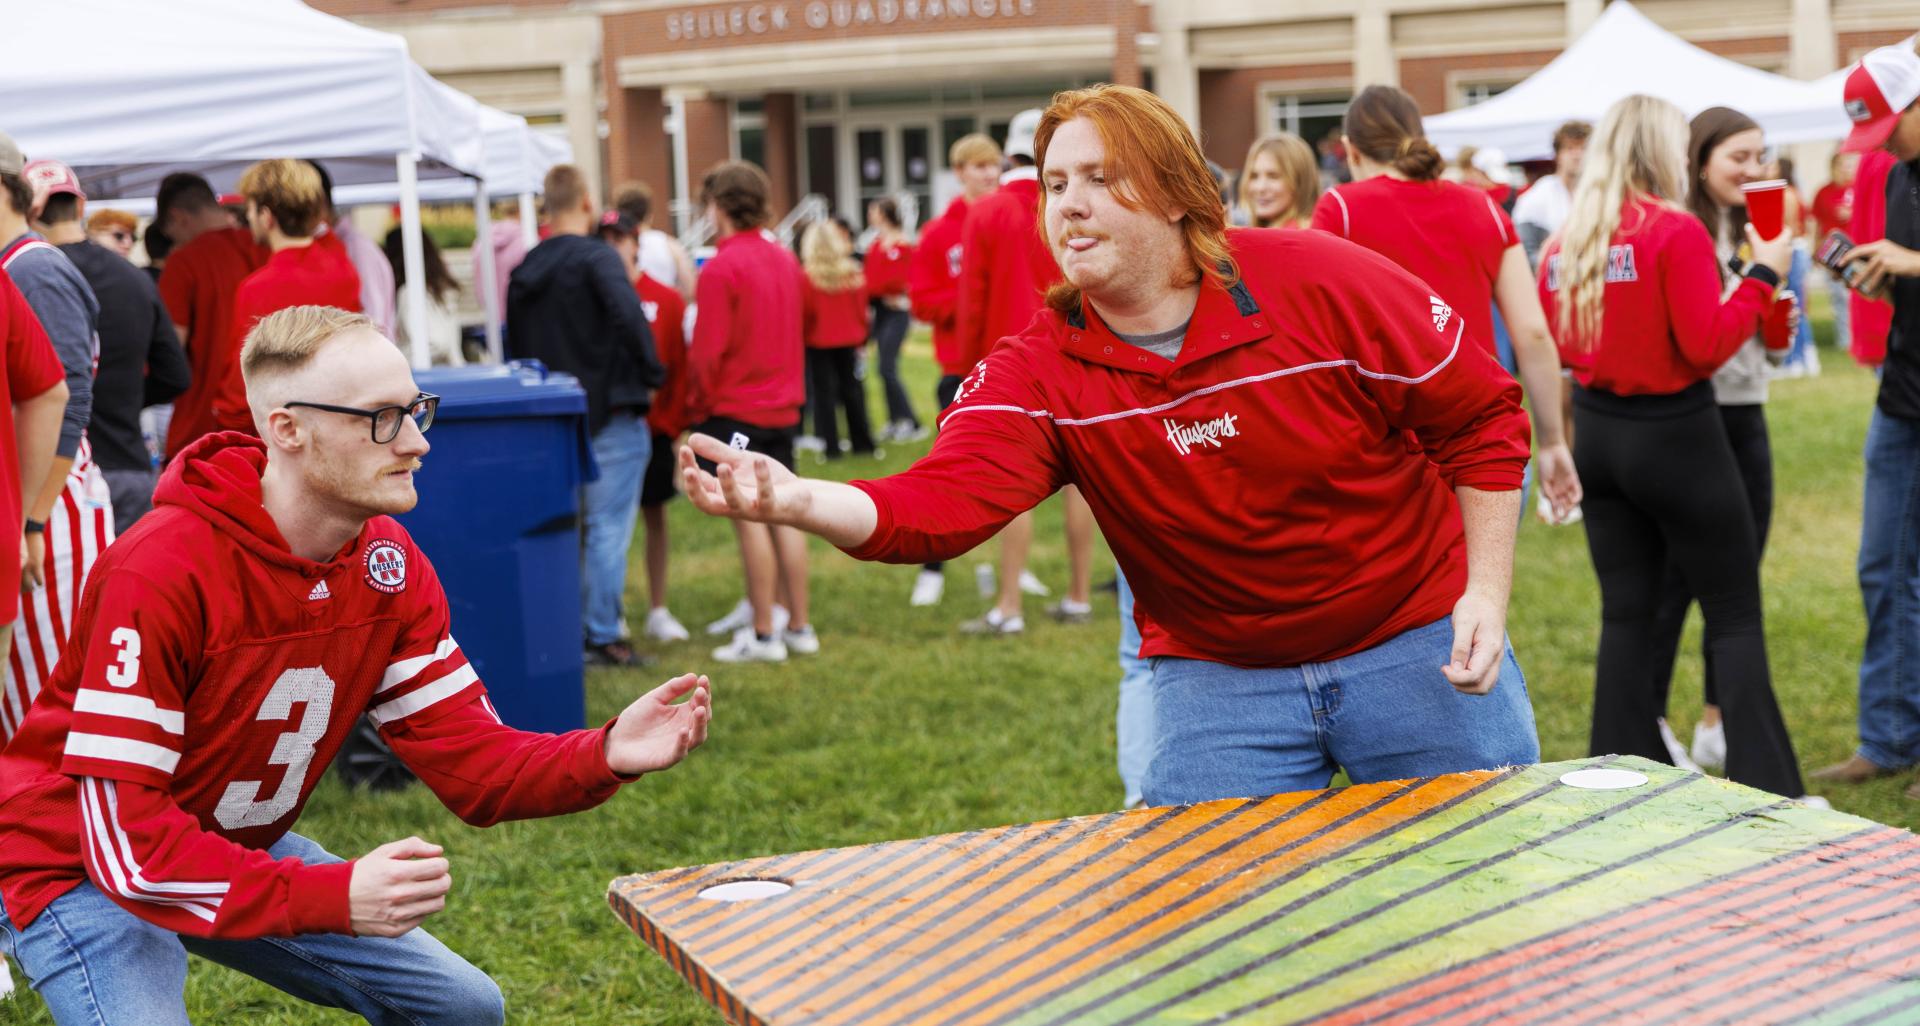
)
(745, 648)
(810, 443)
(741, 616)
(1674, 750)
(661, 626)
(994, 623)
(780, 618)
(1710, 746)
(906, 431)
(802, 641)
(1030, 585)
(983, 578)
(928, 586)
(1814, 801)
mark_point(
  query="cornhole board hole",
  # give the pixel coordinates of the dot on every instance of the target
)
(1649, 896)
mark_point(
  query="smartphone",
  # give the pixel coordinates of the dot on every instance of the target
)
(1835, 254)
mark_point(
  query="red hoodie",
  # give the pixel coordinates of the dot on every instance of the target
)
(747, 362)
(211, 677)
(836, 319)
(1665, 326)
(1005, 266)
(886, 268)
(1259, 491)
(934, 284)
(666, 314)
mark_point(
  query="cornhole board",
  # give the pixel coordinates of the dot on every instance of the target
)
(1493, 897)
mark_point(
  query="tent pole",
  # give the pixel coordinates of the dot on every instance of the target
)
(484, 276)
(414, 257)
(529, 221)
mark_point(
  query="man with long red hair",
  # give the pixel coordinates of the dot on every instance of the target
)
(1310, 479)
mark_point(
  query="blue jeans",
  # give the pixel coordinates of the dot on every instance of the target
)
(622, 449)
(1890, 588)
(1797, 281)
(96, 964)
(1133, 729)
(1383, 714)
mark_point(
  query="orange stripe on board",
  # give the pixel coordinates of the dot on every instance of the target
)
(1004, 972)
(1430, 1002)
(854, 918)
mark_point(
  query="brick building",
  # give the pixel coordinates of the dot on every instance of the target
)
(857, 98)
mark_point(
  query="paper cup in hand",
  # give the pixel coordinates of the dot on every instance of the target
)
(1777, 329)
(1767, 206)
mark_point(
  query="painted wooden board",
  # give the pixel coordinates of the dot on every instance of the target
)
(1473, 898)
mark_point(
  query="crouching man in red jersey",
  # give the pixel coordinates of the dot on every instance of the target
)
(1310, 479)
(223, 650)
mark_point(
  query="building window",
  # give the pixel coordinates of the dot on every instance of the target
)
(1311, 116)
(1472, 93)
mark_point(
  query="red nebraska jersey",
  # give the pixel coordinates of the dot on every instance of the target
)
(211, 677)
(1449, 235)
(1259, 490)
(934, 284)
(198, 286)
(318, 274)
(885, 266)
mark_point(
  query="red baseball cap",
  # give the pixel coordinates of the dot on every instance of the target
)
(1884, 84)
(50, 178)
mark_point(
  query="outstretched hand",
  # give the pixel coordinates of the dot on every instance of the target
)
(654, 732)
(745, 485)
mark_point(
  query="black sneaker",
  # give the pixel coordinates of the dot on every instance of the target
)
(616, 653)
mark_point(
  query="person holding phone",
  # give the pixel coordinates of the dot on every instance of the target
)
(1632, 289)
(1883, 98)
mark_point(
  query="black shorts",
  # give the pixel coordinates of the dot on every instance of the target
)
(656, 486)
(774, 442)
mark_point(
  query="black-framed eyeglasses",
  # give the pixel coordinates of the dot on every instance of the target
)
(386, 420)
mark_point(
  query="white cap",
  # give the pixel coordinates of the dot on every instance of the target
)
(1881, 87)
(1492, 162)
(1020, 133)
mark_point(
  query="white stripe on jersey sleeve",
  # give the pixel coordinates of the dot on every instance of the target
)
(400, 672)
(120, 749)
(132, 707)
(100, 837)
(125, 847)
(414, 701)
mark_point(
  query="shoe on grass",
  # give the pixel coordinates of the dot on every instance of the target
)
(994, 622)
(740, 616)
(928, 586)
(747, 648)
(1675, 751)
(1710, 746)
(1856, 769)
(661, 626)
(1031, 585)
(801, 641)
(615, 653)
(1068, 611)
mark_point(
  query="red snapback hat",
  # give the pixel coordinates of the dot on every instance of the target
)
(1881, 87)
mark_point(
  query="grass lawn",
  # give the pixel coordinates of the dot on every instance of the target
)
(902, 728)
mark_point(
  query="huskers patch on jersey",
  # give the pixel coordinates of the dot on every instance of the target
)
(386, 566)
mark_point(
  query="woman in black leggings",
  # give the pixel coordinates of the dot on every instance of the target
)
(1633, 290)
(1724, 151)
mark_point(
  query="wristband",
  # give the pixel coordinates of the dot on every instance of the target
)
(1764, 275)
(34, 527)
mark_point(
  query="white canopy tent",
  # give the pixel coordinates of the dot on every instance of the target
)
(212, 85)
(1624, 53)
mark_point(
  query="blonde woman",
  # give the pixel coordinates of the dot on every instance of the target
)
(834, 312)
(1280, 183)
(1632, 289)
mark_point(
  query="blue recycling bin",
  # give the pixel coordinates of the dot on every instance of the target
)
(499, 517)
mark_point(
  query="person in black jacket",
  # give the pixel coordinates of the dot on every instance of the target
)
(141, 363)
(573, 308)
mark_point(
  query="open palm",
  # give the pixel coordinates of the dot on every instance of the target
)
(658, 729)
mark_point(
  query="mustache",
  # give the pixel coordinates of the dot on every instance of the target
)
(410, 465)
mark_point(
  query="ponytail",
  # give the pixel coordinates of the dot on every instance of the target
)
(1383, 124)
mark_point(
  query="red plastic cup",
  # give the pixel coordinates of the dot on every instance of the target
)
(1776, 330)
(1767, 206)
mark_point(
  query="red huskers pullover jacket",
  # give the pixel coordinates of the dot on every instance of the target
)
(1280, 494)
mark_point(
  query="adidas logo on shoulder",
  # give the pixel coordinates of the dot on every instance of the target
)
(319, 592)
(1441, 313)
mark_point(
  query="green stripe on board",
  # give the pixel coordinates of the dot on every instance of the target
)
(1358, 902)
(1898, 1004)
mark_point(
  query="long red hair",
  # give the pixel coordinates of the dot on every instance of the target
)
(1153, 162)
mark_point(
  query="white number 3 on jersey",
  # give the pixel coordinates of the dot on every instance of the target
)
(125, 672)
(238, 806)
